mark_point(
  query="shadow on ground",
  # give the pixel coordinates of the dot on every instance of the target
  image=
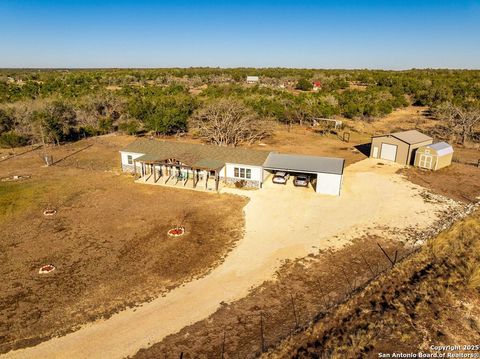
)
(364, 148)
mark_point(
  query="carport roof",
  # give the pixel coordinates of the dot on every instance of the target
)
(305, 164)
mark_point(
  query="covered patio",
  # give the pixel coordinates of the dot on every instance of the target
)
(203, 175)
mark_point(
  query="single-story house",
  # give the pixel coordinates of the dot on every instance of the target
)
(204, 165)
(435, 156)
(252, 79)
(399, 147)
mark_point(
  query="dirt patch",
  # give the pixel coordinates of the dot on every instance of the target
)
(303, 290)
(108, 242)
(302, 140)
(459, 182)
(430, 299)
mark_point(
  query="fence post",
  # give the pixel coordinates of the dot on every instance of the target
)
(223, 344)
(262, 338)
(294, 311)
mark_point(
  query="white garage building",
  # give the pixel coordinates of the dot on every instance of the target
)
(327, 171)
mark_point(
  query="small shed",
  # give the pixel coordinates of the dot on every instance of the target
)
(435, 156)
(252, 79)
(399, 147)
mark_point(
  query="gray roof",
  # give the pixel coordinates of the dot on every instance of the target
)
(195, 155)
(412, 136)
(442, 148)
(307, 164)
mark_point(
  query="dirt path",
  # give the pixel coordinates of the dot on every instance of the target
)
(281, 223)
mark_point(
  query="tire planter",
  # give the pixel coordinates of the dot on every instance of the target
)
(47, 268)
(49, 212)
(176, 232)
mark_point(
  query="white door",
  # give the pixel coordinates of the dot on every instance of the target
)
(389, 152)
(425, 161)
(375, 152)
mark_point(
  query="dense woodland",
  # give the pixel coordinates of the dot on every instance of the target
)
(55, 106)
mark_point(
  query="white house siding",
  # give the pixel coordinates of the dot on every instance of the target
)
(329, 184)
(127, 167)
(256, 180)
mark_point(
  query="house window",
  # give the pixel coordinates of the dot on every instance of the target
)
(242, 172)
(130, 159)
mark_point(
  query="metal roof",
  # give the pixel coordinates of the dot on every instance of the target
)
(195, 155)
(306, 164)
(412, 136)
(442, 148)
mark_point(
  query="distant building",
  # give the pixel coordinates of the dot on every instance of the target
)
(317, 85)
(252, 79)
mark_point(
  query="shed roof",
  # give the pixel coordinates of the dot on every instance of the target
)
(195, 155)
(442, 148)
(411, 137)
(307, 164)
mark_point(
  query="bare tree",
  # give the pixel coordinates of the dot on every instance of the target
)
(228, 122)
(461, 121)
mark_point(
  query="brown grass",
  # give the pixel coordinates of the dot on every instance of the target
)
(459, 182)
(431, 298)
(313, 286)
(108, 241)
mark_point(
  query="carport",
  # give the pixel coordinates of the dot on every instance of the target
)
(327, 170)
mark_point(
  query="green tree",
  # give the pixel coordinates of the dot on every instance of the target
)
(130, 127)
(12, 139)
(163, 114)
(6, 121)
(304, 85)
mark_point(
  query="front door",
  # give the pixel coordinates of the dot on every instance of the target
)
(426, 161)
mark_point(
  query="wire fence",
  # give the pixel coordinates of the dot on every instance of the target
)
(251, 327)
(468, 162)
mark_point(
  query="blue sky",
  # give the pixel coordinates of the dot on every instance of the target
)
(312, 34)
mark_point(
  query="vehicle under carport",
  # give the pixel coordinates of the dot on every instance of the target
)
(327, 171)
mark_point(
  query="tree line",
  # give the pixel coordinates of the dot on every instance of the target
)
(64, 105)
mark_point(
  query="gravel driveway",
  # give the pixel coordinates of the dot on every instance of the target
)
(282, 222)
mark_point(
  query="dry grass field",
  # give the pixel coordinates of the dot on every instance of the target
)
(303, 290)
(433, 298)
(107, 240)
(458, 181)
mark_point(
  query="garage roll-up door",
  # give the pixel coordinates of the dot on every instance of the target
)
(389, 152)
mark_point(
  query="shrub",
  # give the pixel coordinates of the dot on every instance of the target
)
(12, 139)
(304, 85)
(240, 184)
